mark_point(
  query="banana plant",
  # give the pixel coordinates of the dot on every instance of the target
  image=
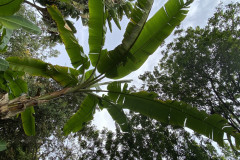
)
(142, 37)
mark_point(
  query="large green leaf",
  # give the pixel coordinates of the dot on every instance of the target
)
(97, 29)
(28, 121)
(16, 22)
(74, 50)
(117, 64)
(113, 102)
(117, 114)
(63, 75)
(139, 16)
(9, 7)
(32, 66)
(180, 114)
(3, 65)
(83, 115)
(3, 145)
(5, 37)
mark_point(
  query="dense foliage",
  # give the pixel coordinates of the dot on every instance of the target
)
(201, 67)
(142, 37)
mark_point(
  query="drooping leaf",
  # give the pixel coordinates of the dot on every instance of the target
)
(28, 121)
(74, 50)
(97, 29)
(63, 75)
(117, 64)
(9, 7)
(16, 22)
(113, 102)
(3, 145)
(109, 23)
(117, 114)
(5, 37)
(113, 14)
(3, 65)
(179, 114)
(83, 115)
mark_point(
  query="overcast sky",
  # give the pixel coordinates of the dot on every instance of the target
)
(198, 15)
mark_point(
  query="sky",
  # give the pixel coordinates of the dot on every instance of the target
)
(199, 13)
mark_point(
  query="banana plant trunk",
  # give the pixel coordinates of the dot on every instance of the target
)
(10, 108)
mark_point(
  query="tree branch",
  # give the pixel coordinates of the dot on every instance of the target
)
(224, 104)
(35, 6)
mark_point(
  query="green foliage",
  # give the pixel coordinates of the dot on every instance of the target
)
(3, 65)
(175, 113)
(97, 29)
(16, 22)
(74, 50)
(113, 103)
(5, 37)
(151, 139)
(117, 65)
(203, 71)
(63, 75)
(28, 121)
(9, 7)
(16, 85)
(26, 44)
(83, 115)
(3, 145)
(141, 39)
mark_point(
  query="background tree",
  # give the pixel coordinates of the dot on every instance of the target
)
(149, 139)
(25, 44)
(201, 67)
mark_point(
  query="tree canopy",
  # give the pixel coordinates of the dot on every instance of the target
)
(201, 66)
